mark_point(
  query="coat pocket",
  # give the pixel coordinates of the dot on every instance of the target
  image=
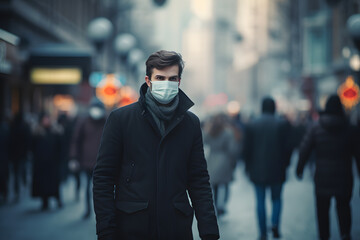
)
(131, 207)
(132, 220)
(184, 215)
(184, 207)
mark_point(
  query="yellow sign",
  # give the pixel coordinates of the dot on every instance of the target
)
(349, 93)
(55, 75)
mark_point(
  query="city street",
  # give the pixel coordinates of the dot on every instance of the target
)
(25, 221)
(97, 81)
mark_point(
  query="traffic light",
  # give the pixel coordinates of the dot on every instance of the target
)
(349, 93)
(159, 2)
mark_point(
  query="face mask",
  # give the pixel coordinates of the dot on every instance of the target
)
(164, 91)
(96, 113)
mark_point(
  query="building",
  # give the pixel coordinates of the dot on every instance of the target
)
(46, 33)
(321, 47)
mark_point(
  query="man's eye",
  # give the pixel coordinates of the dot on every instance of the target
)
(159, 78)
(173, 79)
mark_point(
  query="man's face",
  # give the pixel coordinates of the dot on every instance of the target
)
(170, 73)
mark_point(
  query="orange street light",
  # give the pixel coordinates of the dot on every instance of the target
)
(349, 93)
(108, 90)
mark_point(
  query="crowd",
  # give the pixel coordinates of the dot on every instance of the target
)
(68, 147)
(43, 154)
(266, 143)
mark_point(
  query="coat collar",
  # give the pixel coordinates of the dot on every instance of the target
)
(184, 101)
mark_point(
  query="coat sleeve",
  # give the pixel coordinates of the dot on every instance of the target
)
(104, 178)
(305, 150)
(199, 188)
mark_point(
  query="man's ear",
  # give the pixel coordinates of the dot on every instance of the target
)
(147, 80)
(179, 82)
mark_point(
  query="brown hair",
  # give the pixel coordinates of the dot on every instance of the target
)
(163, 59)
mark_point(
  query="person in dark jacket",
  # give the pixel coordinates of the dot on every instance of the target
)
(67, 126)
(4, 161)
(86, 141)
(334, 142)
(19, 146)
(46, 149)
(267, 156)
(151, 153)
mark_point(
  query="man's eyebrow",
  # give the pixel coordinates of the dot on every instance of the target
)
(158, 75)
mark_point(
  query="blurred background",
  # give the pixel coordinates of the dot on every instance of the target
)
(57, 55)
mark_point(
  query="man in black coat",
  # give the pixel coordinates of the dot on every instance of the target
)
(335, 142)
(151, 161)
(267, 154)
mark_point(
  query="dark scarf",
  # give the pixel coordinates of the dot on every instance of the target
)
(162, 114)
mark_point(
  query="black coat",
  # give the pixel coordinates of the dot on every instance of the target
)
(267, 149)
(86, 141)
(335, 142)
(4, 158)
(152, 176)
(46, 149)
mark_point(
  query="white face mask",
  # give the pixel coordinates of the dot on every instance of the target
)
(164, 91)
(96, 113)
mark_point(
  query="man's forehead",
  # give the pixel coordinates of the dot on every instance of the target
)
(168, 71)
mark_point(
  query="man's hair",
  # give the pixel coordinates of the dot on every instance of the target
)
(163, 59)
(268, 105)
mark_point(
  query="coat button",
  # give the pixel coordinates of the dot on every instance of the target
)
(132, 164)
(127, 180)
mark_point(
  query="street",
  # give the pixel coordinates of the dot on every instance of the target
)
(25, 221)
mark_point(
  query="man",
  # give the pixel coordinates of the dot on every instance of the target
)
(267, 155)
(85, 144)
(335, 144)
(19, 146)
(151, 153)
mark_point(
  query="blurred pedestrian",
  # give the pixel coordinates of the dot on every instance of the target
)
(4, 161)
(85, 145)
(67, 131)
(19, 146)
(152, 154)
(238, 128)
(335, 142)
(267, 156)
(219, 138)
(46, 150)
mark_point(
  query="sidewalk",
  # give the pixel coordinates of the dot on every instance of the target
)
(298, 215)
(25, 221)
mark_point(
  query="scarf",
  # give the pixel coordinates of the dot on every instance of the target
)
(161, 114)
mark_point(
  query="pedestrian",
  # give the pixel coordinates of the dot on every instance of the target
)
(86, 141)
(335, 142)
(65, 123)
(152, 154)
(46, 150)
(19, 146)
(4, 161)
(267, 156)
(221, 159)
